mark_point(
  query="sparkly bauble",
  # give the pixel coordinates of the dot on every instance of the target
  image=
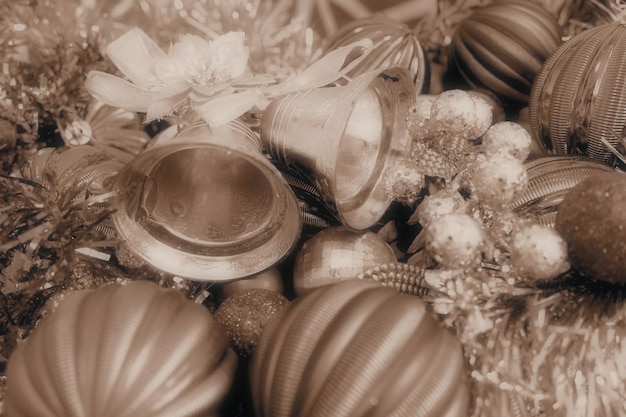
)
(577, 101)
(508, 138)
(502, 46)
(539, 252)
(549, 179)
(393, 44)
(592, 220)
(123, 350)
(457, 113)
(438, 204)
(404, 180)
(245, 314)
(418, 117)
(499, 179)
(269, 280)
(455, 240)
(337, 254)
(358, 349)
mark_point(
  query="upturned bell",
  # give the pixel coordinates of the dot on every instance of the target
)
(343, 139)
(207, 205)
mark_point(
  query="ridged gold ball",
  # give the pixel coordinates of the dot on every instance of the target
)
(122, 350)
(358, 349)
(577, 101)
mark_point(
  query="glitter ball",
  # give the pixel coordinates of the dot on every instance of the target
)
(337, 254)
(418, 117)
(507, 138)
(245, 314)
(592, 221)
(438, 204)
(539, 252)
(455, 240)
(403, 181)
(454, 113)
(499, 179)
(483, 117)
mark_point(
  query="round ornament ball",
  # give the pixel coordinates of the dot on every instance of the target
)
(245, 315)
(394, 44)
(336, 254)
(455, 240)
(577, 102)
(549, 180)
(501, 47)
(124, 350)
(358, 349)
(499, 179)
(269, 280)
(592, 220)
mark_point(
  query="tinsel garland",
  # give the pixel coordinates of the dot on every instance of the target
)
(531, 347)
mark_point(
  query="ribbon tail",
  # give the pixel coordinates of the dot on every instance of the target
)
(117, 92)
(226, 108)
(327, 69)
(134, 54)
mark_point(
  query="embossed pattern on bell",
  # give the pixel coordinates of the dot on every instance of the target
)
(549, 179)
(578, 101)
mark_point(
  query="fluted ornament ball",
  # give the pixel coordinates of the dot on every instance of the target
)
(358, 349)
(502, 46)
(336, 254)
(592, 221)
(122, 350)
(577, 101)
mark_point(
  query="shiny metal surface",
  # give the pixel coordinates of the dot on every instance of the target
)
(578, 101)
(207, 205)
(357, 349)
(343, 139)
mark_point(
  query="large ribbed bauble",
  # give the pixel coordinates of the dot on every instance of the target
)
(394, 44)
(122, 350)
(357, 349)
(501, 47)
(578, 101)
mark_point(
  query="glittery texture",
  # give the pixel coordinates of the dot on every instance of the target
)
(499, 179)
(245, 314)
(592, 218)
(539, 252)
(508, 138)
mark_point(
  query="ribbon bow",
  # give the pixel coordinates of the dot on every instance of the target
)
(209, 77)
